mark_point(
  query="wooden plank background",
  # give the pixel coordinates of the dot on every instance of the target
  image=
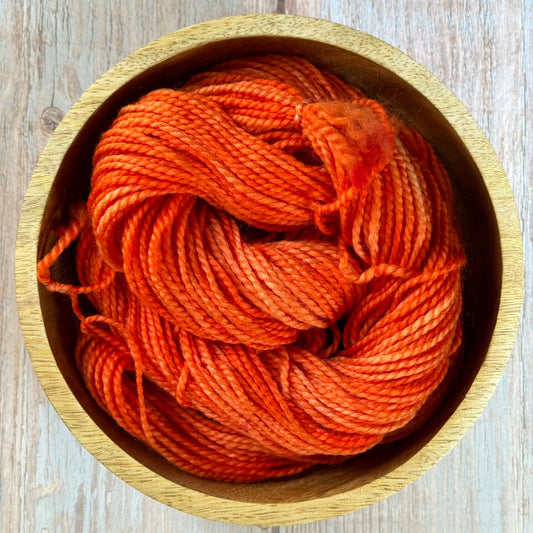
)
(51, 51)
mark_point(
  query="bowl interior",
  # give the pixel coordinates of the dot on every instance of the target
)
(482, 279)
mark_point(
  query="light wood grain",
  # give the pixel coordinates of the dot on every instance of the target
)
(47, 480)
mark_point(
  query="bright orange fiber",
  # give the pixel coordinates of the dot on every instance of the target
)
(275, 269)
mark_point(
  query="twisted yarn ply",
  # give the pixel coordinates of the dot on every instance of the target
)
(274, 269)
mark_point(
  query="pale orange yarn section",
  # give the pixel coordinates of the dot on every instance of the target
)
(274, 269)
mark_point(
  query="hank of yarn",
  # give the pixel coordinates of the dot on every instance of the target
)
(273, 268)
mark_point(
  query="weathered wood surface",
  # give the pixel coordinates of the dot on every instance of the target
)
(51, 53)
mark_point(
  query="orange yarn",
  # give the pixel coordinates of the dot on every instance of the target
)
(274, 267)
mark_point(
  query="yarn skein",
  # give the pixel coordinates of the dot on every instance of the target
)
(274, 269)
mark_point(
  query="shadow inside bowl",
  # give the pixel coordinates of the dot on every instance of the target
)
(482, 279)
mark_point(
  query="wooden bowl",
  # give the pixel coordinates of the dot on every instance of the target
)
(492, 285)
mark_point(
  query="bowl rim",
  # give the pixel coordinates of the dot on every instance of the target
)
(89, 434)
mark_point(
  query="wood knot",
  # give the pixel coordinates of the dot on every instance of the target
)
(50, 118)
